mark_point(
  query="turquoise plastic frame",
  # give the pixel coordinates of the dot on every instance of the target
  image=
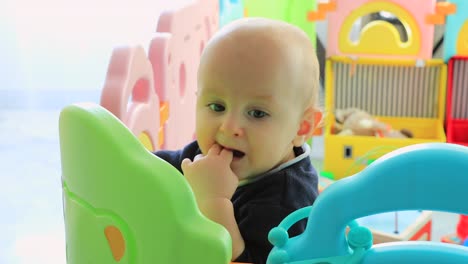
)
(430, 176)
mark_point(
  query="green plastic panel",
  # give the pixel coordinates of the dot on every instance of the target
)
(122, 204)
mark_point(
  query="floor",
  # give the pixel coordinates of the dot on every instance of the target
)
(32, 229)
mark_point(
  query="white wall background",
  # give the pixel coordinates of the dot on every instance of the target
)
(66, 45)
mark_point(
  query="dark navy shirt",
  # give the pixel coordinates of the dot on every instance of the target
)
(263, 202)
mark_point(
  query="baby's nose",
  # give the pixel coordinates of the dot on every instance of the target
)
(232, 126)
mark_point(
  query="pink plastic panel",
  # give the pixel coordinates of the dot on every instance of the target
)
(128, 92)
(175, 54)
(418, 9)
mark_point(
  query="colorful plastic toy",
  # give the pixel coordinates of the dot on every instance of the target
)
(230, 10)
(395, 81)
(130, 78)
(122, 204)
(403, 93)
(462, 227)
(456, 30)
(166, 77)
(175, 54)
(292, 11)
(365, 160)
(457, 101)
(380, 38)
(393, 226)
(388, 184)
(408, 225)
(461, 235)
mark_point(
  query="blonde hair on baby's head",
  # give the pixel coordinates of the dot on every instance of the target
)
(271, 42)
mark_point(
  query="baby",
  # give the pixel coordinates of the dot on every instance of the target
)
(256, 108)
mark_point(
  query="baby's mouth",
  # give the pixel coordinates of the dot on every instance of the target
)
(237, 153)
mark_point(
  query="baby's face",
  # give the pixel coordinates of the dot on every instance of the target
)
(249, 106)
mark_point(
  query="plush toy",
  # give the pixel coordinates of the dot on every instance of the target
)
(354, 121)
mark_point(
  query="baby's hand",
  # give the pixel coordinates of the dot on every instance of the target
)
(211, 176)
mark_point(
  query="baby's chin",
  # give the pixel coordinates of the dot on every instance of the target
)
(241, 175)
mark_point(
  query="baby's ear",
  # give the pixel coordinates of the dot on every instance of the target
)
(311, 119)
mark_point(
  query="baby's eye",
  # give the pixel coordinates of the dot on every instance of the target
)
(216, 107)
(257, 114)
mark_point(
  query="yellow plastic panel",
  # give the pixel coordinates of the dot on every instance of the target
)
(462, 43)
(362, 149)
(422, 128)
(380, 37)
(146, 141)
(366, 149)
